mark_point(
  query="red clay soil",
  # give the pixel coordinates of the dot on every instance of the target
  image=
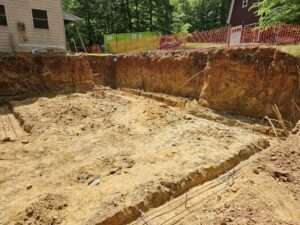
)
(103, 70)
(164, 72)
(247, 81)
(24, 76)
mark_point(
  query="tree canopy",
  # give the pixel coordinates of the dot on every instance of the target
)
(278, 11)
(165, 16)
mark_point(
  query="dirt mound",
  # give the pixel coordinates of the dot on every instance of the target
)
(48, 210)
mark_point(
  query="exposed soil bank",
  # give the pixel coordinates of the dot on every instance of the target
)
(26, 76)
(163, 72)
(246, 81)
(103, 68)
(250, 81)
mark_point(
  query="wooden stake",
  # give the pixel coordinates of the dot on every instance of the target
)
(296, 105)
(143, 217)
(272, 125)
(280, 119)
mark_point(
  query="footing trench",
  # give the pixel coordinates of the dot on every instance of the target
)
(11, 129)
(171, 190)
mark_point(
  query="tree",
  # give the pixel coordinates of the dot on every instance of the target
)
(278, 11)
(164, 16)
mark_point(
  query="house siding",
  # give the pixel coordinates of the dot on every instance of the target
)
(243, 16)
(21, 11)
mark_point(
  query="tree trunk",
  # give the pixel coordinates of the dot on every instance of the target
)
(151, 15)
(129, 18)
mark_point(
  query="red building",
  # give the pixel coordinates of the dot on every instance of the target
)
(241, 13)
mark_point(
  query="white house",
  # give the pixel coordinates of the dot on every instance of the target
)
(31, 24)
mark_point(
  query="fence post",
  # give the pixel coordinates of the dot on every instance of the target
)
(276, 34)
(258, 35)
(228, 35)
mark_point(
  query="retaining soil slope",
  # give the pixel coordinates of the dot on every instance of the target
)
(25, 76)
(247, 81)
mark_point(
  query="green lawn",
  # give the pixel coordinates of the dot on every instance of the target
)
(190, 45)
(291, 49)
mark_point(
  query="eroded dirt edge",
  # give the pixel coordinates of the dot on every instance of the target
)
(169, 191)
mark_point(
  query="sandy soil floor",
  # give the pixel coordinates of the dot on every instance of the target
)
(86, 157)
(263, 190)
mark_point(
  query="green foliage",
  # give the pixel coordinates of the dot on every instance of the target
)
(278, 11)
(164, 16)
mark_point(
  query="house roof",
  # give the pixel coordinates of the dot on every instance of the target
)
(68, 17)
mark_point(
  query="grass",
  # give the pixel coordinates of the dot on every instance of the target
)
(98, 54)
(190, 45)
(290, 49)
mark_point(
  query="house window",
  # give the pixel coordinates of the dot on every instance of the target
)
(245, 4)
(40, 19)
(3, 20)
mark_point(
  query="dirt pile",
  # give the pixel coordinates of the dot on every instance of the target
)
(26, 76)
(246, 81)
(49, 209)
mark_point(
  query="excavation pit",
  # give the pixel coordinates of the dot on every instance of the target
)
(121, 147)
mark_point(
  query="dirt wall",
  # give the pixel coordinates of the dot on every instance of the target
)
(103, 69)
(175, 73)
(251, 81)
(22, 76)
(247, 81)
